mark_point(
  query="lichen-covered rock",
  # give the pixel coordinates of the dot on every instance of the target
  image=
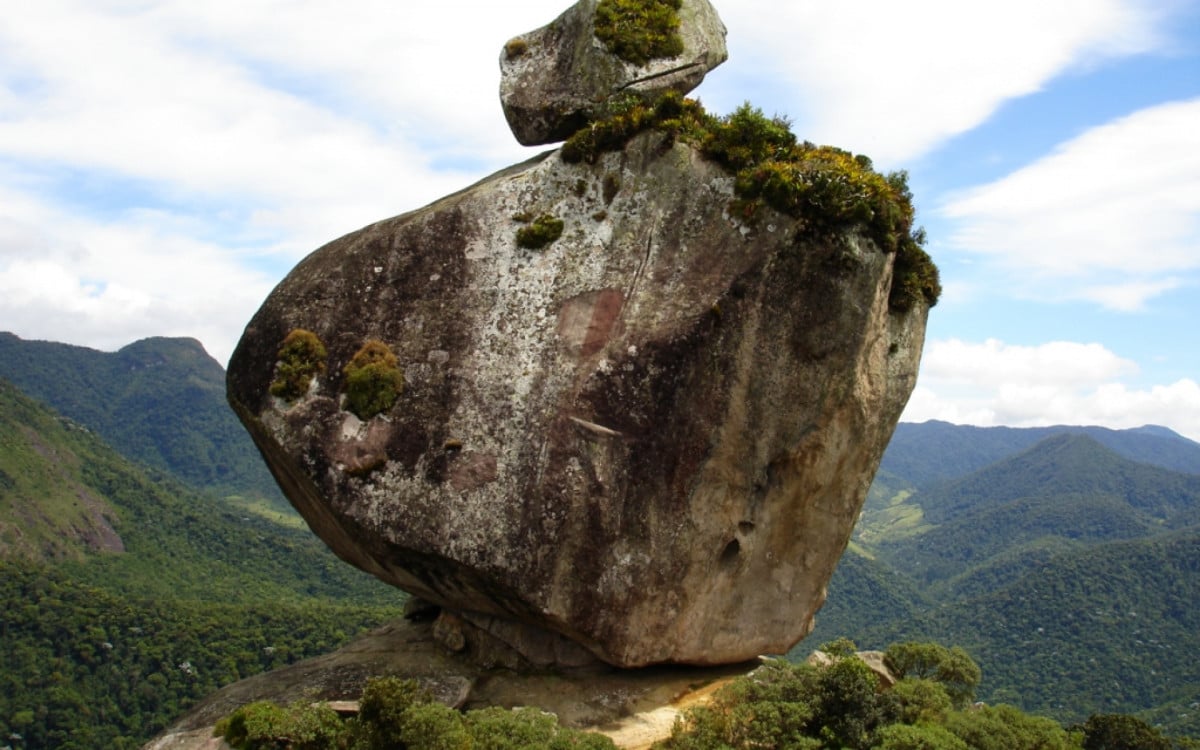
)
(652, 435)
(555, 79)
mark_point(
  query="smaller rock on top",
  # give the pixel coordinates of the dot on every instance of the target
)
(555, 80)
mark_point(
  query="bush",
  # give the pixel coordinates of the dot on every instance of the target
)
(921, 737)
(433, 726)
(953, 668)
(920, 700)
(301, 357)
(266, 726)
(380, 720)
(1007, 728)
(638, 31)
(1121, 732)
(746, 138)
(373, 380)
(772, 707)
(394, 714)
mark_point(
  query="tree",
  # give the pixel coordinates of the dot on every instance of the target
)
(1121, 732)
(952, 667)
(1007, 728)
(919, 737)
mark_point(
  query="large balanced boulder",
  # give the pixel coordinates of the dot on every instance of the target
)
(555, 80)
(588, 400)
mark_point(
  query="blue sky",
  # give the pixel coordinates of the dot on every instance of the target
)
(163, 164)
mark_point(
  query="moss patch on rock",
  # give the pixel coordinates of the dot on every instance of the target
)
(540, 232)
(373, 380)
(301, 358)
(638, 31)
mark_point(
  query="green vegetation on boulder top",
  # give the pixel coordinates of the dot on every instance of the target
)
(826, 189)
(638, 31)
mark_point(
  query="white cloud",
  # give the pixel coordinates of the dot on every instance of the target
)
(1111, 216)
(993, 383)
(124, 282)
(893, 79)
(163, 162)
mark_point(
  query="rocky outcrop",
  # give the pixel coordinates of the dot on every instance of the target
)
(556, 79)
(607, 404)
(630, 705)
(651, 436)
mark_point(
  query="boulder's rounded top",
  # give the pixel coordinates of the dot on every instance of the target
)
(556, 79)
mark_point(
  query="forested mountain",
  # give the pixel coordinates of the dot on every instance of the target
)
(1069, 464)
(1067, 489)
(127, 595)
(1067, 567)
(68, 496)
(1065, 560)
(159, 401)
(1110, 628)
(930, 452)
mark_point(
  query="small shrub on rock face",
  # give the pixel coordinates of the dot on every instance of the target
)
(382, 712)
(301, 357)
(266, 726)
(515, 48)
(747, 137)
(373, 380)
(638, 31)
(541, 232)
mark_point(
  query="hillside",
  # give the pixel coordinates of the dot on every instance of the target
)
(68, 497)
(1111, 628)
(128, 597)
(1034, 562)
(1067, 489)
(159, 401)
(117, 573)
(46, 510)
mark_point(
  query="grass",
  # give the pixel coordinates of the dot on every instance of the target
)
(264, 509)
(897, 519)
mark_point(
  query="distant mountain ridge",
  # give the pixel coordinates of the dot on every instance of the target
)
(1067, 488)
(1069, 463)
(929, 452)
(160, 401)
